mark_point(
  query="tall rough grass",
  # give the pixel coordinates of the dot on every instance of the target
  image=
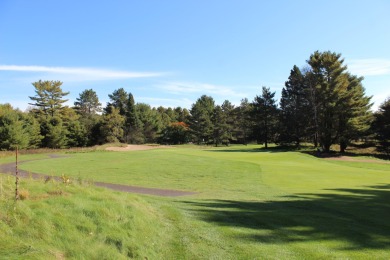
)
(58, 221)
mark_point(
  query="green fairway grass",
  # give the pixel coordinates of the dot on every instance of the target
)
(251, 203)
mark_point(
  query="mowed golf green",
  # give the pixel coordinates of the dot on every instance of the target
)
(250, 202)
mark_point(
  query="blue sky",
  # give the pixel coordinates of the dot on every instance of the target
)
(170, 53)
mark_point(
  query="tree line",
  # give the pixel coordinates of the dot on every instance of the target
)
(322, 103)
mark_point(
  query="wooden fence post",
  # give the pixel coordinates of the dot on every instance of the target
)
(16, 176)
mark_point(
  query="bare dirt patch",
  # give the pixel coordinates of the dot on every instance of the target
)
(133, 147)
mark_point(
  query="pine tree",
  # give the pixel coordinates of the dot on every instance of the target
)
(13, 129)
(381, 126)
(112, 126)
(88, 103)
(48, 100)
(118, 99)
(132, 122)
(294, 109)
(228, 110)
(244, 123)
(54, 133)
(265, 116)
(182, 114)
(88, 107)
(151, 124)
(175, 133)
(200, 120)
(221, 133)
(355, 116)
(34, 132)
(341, 107)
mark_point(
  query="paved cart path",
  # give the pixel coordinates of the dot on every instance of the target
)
(9, 169)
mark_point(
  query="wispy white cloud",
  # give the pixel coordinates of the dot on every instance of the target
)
(378, 99)
(166, 102)
(369, 67)
(201, 88)
(82, 73)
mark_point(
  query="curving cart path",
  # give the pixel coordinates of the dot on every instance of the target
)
(9, 169)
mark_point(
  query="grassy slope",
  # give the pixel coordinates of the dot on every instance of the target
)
(251, 204)
(59, 221)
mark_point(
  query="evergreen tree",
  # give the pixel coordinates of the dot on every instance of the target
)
(88, 103)
(164, 118)
(229, 113)
(182, 114)
(132, 123)
(341, 106)
(13, 129)
(88, 107)
(133, 126)
(49, 96)
(48, 109)
(200, 120)
(175, 133)
(111, 128)
(381, 126)
(171, 114)
(265, 115)
(223, 120)
(313, 126)
(55, 134)
(294, 109)
(34, 132)
(244, 122)
(119, 100)
(355, 116)
(151, 124)
(131, 113)
(221, 127)
(76, 134)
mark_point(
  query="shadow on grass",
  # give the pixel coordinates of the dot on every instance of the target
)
(276, 149)
(310, 150)
(357, 216)
(337, 155)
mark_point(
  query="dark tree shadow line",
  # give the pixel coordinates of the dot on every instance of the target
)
(303, 149)
(359, 216)
(276, 149)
